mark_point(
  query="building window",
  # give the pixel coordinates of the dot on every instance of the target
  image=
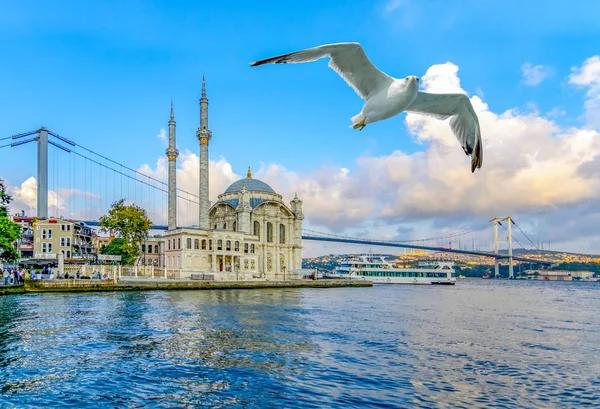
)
(49, 247)
(62, 241)
(156, 249)
(234, 226)
(252, 248)
(245, 247)
(68, 227)
(219, 244)
(269, 232)
(43, 233)
(49, 233)
(188, 244)
(68, 253)
(149, 248)
(215, 227)
(68, 241)
(196, 244)
(236, 246)
(143, 248)
(203, 244)
(210, 244)
(43, 247)
(257, 229)
(178, 243)
(228, 245)
(282, 234)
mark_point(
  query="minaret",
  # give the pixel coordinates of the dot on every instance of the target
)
(172, 154)
(204, 135)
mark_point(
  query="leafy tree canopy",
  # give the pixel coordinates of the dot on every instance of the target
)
(9, 230)
(115, 248)
(128, 222)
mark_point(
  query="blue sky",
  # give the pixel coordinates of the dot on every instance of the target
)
(103, 73)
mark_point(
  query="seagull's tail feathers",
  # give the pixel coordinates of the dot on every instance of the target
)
(357, 119)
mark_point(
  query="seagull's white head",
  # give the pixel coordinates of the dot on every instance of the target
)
(412, 78)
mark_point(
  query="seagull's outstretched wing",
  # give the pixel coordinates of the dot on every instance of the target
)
(347, 59)
(464, 122)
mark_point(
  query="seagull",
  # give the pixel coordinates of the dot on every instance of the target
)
(386, 96)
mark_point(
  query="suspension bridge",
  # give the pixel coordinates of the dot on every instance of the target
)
(76, 182)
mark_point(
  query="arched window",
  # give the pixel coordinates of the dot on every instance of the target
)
(234, 226)
(282, 234)
(68, 241)
(49, 247)
(236, 246)
(43, 247)
(196, 244)
(269, 232)
(224, 226)
(252, 248)
(219, 244)
(156, 248)
(49, 233)
(257, 229)
(68, 253)
(245, 247)
(189, 243)
(203, 244)
(43, 233)
(228, 245)
(62, 241)
(215, 227)
(210, 244)
(149, 248)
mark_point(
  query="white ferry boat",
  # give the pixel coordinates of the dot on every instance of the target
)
(379, 271)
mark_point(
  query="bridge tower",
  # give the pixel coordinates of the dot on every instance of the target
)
(497, 240)
(42, 173)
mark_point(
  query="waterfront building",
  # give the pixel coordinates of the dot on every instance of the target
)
(98, 241)
(249, 233)
(152, 252)
(53, 236)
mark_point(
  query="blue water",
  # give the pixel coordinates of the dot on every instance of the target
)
(480, 344)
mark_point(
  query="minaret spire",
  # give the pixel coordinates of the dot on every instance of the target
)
(172, 154)
(204, 135)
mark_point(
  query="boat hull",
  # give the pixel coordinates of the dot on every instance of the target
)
(396, 280)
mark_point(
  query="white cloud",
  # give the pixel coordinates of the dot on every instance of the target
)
(588, 75)
(533, 75)
(393, 5)
(162, 135)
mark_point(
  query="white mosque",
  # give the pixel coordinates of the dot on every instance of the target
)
(249, 233)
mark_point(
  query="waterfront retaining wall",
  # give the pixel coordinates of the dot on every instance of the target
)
(137, 285)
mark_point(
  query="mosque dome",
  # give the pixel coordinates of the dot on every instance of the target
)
(252, 185)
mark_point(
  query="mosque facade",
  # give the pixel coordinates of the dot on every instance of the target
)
(250, 233)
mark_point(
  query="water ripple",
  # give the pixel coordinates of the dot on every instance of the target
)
(483, 344)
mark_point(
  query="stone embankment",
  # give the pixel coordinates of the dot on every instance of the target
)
(36, 286)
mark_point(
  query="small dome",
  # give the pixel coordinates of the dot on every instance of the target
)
(252, 185)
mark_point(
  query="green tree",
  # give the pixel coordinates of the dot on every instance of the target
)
(9, 230)
(130, 223)
(115, 248)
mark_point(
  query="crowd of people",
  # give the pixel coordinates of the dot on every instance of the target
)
(12, 276)
(15, 276)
